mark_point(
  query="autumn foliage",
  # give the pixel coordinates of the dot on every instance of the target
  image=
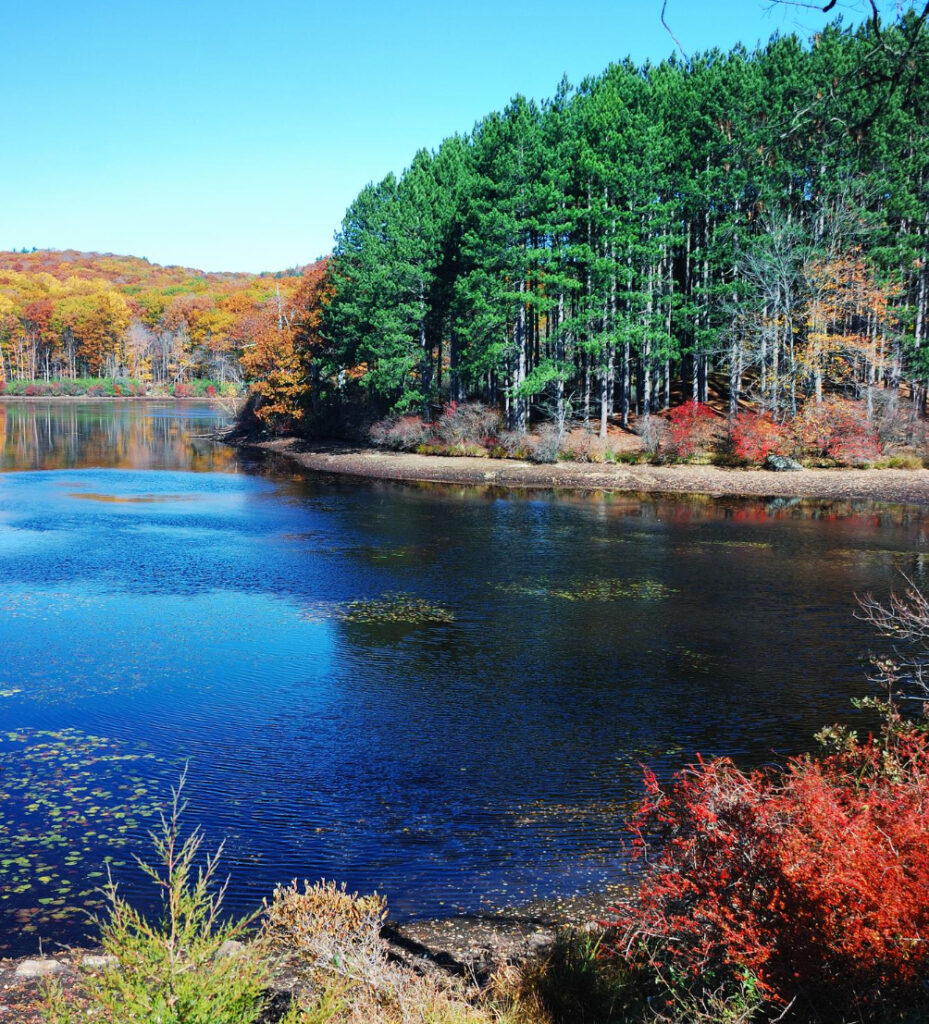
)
(754, 436)
(69, 314)
(813, 881)
(693, 428)
(286, 338)
(837, 428)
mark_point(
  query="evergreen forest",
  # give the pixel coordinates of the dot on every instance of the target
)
(753, 220)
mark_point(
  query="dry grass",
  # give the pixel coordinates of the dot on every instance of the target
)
(330, 941)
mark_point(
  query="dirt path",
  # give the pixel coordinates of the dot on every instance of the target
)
(888, 485)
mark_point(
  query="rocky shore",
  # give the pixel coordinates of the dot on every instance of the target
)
(468, 947)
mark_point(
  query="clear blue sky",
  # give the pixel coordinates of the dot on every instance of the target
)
(232, 135)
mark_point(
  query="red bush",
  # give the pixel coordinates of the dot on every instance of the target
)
(837, 428)
(183, 391)
(755, 436)
(693, 428)
(210, 391)
(815, 881)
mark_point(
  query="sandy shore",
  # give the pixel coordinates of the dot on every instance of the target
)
(889, 485)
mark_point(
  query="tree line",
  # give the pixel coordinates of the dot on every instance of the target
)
(755, 221)
(66, 315)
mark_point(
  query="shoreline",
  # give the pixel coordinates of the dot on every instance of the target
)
(897, 486)
(469, 947)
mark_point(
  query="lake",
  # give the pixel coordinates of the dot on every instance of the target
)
(167, 601)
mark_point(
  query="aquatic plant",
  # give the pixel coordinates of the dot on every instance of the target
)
(72, 802)
(595, 590)
(396, 608)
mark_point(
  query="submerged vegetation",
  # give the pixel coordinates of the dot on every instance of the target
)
(595, 590)
(399, 608)
(71, 799)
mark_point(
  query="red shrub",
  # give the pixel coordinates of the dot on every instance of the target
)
(210, 391)
(754, 437)
(183, 391)
(693, 428)
(838, 428)
(815, 881)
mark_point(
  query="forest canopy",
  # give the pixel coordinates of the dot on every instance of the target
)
(760, 216)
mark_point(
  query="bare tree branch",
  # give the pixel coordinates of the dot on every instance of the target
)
(664, 22)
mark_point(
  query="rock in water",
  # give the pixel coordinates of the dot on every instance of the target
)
(781, 463)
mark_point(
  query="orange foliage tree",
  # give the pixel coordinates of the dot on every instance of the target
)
(279, 359)
(847, 316)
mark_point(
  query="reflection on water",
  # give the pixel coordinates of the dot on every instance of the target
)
(121, 434)
(153, 618)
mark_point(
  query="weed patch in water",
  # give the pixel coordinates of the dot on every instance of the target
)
(596, 590)
(396, 608)
(69, 802)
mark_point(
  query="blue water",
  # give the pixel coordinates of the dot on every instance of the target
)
(166, 602)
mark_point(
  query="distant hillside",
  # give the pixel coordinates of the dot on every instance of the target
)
(119, 270)
(67, 314)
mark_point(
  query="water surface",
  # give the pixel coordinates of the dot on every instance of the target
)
(164, 601)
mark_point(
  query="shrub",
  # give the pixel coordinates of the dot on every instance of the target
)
(693, 428)
(400, 433)
(897, 421)
(182, 390)
(467, 424)
(813, 881)
(654, 433)
(330, 927)
(582, 446)
(903, 461)
(838, 429)
(173, 971)
(545, 447)
(510, 445)
(755, 436)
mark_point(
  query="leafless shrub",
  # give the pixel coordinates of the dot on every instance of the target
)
(654, 433)
(902, 674)
(332, 939)
(400, 433)
(583, 446)
(896, 421)
(512, 443)
(545, 446)
(467, 424)
(329, 927)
